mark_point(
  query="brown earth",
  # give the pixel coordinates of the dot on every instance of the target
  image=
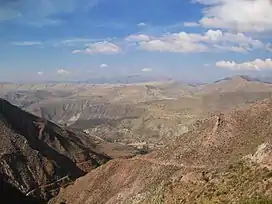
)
(224, 159)
(37, 156)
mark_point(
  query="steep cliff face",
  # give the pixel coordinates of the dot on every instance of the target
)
(37, 156)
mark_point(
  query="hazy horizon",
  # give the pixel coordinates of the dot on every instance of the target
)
(134, 79)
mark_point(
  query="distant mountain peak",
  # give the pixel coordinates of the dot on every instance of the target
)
(238, 78)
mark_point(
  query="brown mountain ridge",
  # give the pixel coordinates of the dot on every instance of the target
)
(38, 156)
(224, 159)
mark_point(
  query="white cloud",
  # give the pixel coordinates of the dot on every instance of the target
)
(77, 41)
(104, 65)
(239, 38)
(257, 64)
(232, 48)
(191, 24)
(175, 42)
(142, 24)
(103, 47)
(76, 51)
(172, 46)
(40, 73)
(147, 70)
(193, 42)
(238, 15)
(137, 38)
(27, 43)
(63, 72)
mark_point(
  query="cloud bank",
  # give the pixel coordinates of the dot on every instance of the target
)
(193, 42)
(237, 15)
(257, 64)
(103, 47)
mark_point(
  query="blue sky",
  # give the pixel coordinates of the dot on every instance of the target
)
(185, 39)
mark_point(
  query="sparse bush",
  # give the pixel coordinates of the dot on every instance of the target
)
(144, 150)
(110, 140)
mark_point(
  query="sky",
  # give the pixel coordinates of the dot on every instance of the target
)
(183, 39)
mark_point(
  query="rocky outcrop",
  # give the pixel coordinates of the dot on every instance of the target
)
(36, 155)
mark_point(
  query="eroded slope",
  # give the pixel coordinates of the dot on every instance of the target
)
(38, 156)
(225, 159)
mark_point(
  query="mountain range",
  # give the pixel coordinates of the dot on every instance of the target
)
(152, 112)
(152, 142)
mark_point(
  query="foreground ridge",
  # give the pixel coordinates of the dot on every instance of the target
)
(36, 155)
(222, 160)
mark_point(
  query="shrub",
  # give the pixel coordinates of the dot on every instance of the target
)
(144, 149)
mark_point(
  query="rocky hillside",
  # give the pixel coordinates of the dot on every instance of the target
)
(135, 114)
(71, 111)
(38, 156)
(234, 84)
(223, 159)
(158, 122)
(25, 98)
